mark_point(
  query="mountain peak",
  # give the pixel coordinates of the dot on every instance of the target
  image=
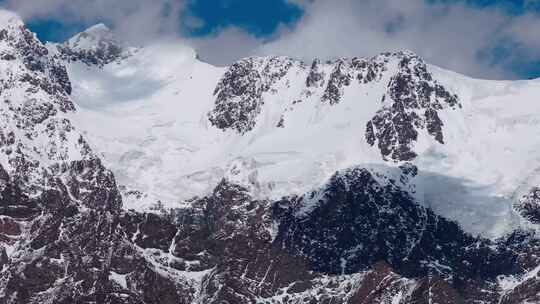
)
(98, 28)
(94, 46)
(92, 37)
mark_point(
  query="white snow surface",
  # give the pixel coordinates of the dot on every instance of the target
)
(147, 116)
(118, 278)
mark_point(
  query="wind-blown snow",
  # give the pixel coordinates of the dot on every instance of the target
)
(147, 115)
(8, 17)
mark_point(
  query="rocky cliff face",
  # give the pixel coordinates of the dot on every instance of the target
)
(355, 221)
(374, 244)
(410, 101)
(239, 94)
(361, 237)
(411, 104)
(61, 237)
(529, 205)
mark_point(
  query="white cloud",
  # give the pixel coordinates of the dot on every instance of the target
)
(454, 36)
(524, 30)
(226, 46)
(134, 20)
(451, 36)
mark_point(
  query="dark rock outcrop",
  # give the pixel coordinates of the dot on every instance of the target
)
(529, 205)
(239, 94)
(411, 104)
(355, 221)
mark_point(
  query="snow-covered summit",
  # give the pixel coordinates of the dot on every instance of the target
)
(96, 45)
(91, 38)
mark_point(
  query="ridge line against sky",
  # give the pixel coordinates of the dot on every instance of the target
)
(495, 39)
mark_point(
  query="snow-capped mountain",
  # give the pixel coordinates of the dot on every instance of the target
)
(362, 180)
(161, 106)
(95, 46)
(60, 207)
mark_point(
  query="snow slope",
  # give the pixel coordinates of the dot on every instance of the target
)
(148, 115)
(491, 154)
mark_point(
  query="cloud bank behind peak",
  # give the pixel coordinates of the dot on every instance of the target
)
(481, 41)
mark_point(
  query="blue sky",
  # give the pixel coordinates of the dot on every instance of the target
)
(245, 27)
(261, 18)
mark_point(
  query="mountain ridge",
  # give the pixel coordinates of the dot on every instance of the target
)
(284, 110)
